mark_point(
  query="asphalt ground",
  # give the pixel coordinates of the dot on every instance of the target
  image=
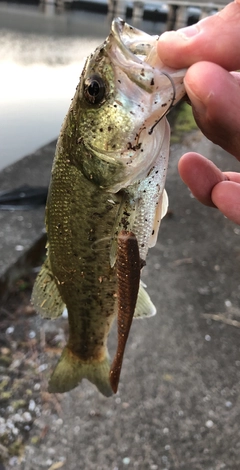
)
(178, 403)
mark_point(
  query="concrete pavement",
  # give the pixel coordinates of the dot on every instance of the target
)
(178, 404)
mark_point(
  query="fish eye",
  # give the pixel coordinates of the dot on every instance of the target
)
(94, 89)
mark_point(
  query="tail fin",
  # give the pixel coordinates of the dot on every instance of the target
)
(70, 370)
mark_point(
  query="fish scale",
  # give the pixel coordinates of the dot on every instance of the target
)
(79, 270)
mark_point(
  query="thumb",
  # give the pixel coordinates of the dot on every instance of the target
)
(215, 39)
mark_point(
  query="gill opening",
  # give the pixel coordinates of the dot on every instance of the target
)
(171, 104)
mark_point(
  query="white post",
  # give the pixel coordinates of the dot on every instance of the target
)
(204, 13)
(49, 7)
(111, 9)
(120, 9)
(137, 15)
(181, 20)
(171, 17)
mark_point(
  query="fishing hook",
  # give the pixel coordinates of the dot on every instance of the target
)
(171, 105)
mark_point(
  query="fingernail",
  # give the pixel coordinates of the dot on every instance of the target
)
(188, 32)
(183, 33)
(167, 35)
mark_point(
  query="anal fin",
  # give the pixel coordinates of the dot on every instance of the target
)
(144, 306)
(160, 213)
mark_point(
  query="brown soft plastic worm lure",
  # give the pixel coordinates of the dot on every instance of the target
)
(128, 274)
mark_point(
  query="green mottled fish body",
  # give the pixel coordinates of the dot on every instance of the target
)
(108, 176)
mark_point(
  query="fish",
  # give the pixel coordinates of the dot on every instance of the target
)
(105, 202)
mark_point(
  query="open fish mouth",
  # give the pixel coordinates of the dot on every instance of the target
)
(136, 53)
(135, 44)
(129, 49)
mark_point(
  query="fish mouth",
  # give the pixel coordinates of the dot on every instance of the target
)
(134, 43)
(135, 52)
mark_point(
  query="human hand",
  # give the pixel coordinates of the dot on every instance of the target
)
(210, 50)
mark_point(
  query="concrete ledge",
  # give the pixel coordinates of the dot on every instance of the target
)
(22, 233)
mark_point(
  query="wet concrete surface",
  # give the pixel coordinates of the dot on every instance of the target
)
(178, 403)
(21, 230)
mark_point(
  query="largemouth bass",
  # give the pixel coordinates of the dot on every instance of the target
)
(105, 202)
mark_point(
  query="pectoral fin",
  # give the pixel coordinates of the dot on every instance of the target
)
(144, 307)
(159, 214)
(128, 273)
(45, 296)
(124, 222)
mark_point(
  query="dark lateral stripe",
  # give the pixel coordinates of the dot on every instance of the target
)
(128, 273)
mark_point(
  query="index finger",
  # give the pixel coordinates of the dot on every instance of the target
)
(200, 175)
(214, 39)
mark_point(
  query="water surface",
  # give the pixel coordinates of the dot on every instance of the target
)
(41, 58)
